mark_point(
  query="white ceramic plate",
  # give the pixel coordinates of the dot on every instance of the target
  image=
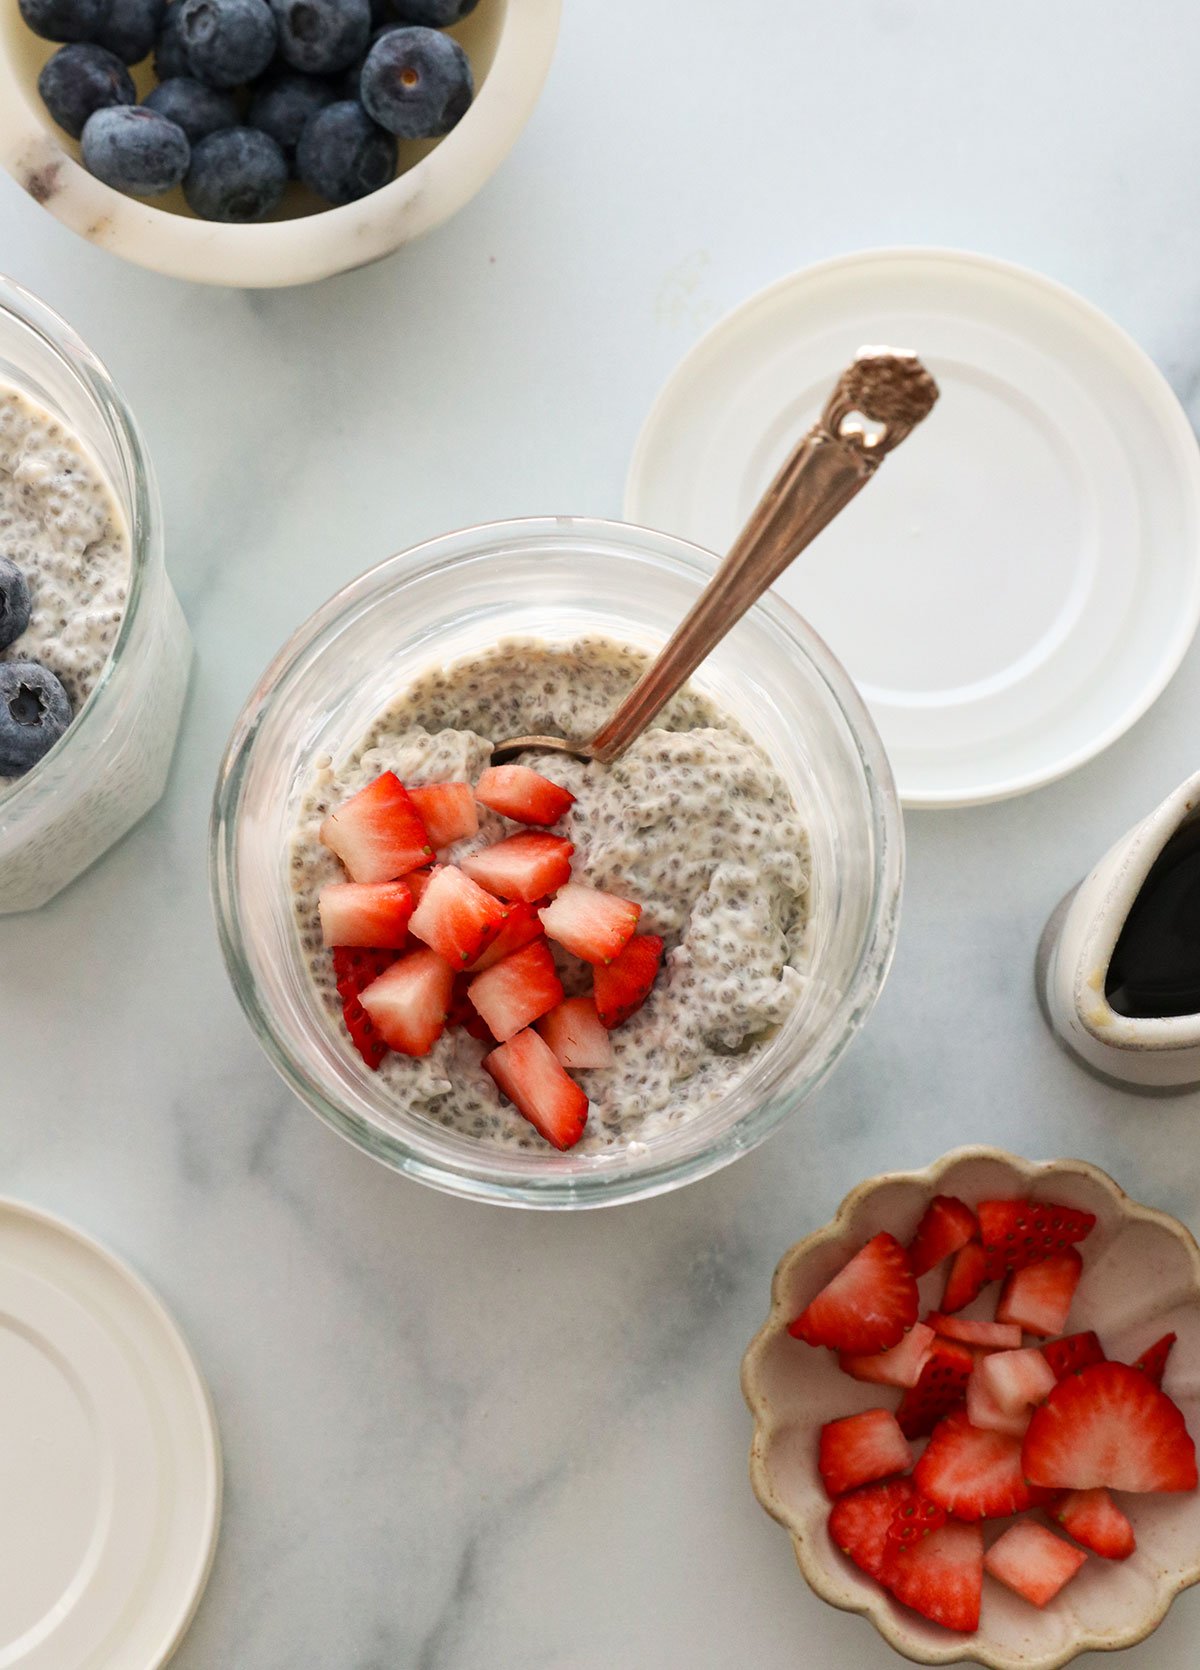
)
(109, 1457)
(1023, 577)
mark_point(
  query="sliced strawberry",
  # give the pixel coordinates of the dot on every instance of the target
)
(1015, 1380)
(985, 1413)
(455, 917)
(941, 1388)
(967, 1279)
(860, 1449)
(941, 1577)
(527, 1072)
(624, 985)
(914, 1519)
(513, 993)
(355, 968)
(370, 914)
(521, 794)
(1153, 1362)
(948, 1224)
(590, 924)
(987, 1336)
(1095, 1520)
(868, 1306)
(973, 1474)
(364, 1034)
(378, 833)
(574, 1032)
(527, 867)
(1020, 1232)
(417, 881)
(409, 1002)
(447, 811)
(521, 928)
(859, 1523)
(1109, 1426)
(1033, 1562)
(901, 1366)
(1038, 1298)
(1077, 1351)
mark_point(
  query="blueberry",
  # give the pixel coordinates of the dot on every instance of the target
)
(342, 155)
(170, 55)
(15, 605)
(80, 79)
(281, 107)
(321, 37)
(131, 27)
(417, 83)
(135, 150)
(228, 42)
(34, 713)
(197, 109)
(236, 176)
(435, 14)
(64, 20)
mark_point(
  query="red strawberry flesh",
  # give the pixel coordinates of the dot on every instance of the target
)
(513, 993)
(1153, 1362)
(973, 1474)
(575, 1033)
(915, 1519)
(589, 923)
(947, 1225)
(941, 1577)
(859, 1449)
(456, 917)
(528, 867)
(869, 1304)
(521, 928)
(1077, 1351)
(378, 833)
(941, 1388)
(901, 1366)
(527, 1072)
(1095, 1520)
(622, 986)
(859, 1522)
(967, 1278)
(987, 1336)
(369, 915)
(1109, 1426)
(447, 810)
(1033, 1562)
(524, 795)
(1038, 1297)
(410, 1001)
(1020, 1232)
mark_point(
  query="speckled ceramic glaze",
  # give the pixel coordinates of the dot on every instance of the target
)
(1141, 1279)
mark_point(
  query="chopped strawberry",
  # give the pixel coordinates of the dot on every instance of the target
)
(974, 1474)
(1033, 1562)
(521, 928)
(868, 1306)
(967, 1279)
(1109, 1426)
(860, 1449)
(985, 1413)
(948, 1224)
(355, 968)
(987, 1336)
(513, 993)
(378, 833)
(523, 795)
(409, 1002)
(447, 811)
(1038, 1297)
(859, 1522)
(364, 1034)
(1095, 1520)
(1015, 1380)
(1153, 1362)
(590, 924)
(574, 1032)
(455, 917)
(941, 1388)
(914, 1519)
(528, 867)
(901, 1366)
(1020, 1232)
(1077, 1351)
(417, 881)
(941, 1577)
(624, 985)
(366, 914)
(527, 1073)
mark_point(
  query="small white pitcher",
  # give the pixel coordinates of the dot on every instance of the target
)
(1159, 1055)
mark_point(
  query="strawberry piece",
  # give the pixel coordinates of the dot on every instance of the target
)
(409, 1002)
(447, 810)
(1109, 1426)
(521, 928)
(901, 1366)
(941, 1388)
(515, 991)
(1016, 1379)
(1077, 1351)
(364, 1034)
(355, 968)
(624, 985)
(941, 1577)
(860, 1449)
(859, 1522)
(914, 1519)
(526, 1070)
(370, 914)
(523, 795)
(590, 924)
(988, 1336)
(1033, 1562)
(1095, 1520)
(985, 1413)
(455, 917)
(1038, 1298)
(947, 1225)
(868, 1306)
(974, 1474)
(527, 867)
(1020, 1232)
(417, 881)
(574, 1032)
(378, 833)
(1153, 1362)
(967, 1279)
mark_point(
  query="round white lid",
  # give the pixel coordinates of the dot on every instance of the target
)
(109, 1458)
(1023, 577)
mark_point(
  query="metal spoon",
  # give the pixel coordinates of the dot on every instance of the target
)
(877, 403)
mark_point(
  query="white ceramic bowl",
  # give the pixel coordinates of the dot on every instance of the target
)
(1141, 1279)
(510, 44)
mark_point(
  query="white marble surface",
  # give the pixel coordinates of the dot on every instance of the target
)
(458, 1437)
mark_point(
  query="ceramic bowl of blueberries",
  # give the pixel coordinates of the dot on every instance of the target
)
(259, 143)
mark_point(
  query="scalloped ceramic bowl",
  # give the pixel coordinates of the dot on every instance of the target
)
(510, 44)
(1141, 1279)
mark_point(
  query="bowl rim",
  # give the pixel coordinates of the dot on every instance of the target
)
(875, 1603)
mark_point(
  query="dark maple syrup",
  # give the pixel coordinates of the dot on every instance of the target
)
(1155, 969)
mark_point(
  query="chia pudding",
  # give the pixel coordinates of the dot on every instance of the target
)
(692, 821)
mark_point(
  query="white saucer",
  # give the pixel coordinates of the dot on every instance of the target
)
(109, 1459)
(1023, 577)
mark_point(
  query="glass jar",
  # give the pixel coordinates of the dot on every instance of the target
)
(556, 579)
